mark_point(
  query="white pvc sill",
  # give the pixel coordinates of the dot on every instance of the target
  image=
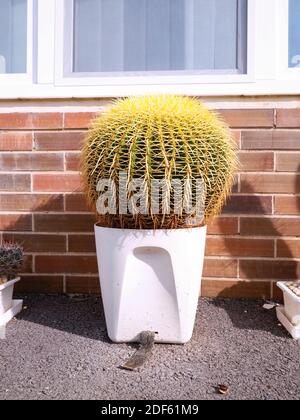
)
(260, 88)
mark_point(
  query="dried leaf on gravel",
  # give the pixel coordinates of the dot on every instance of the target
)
(270, 305)
(222, 389)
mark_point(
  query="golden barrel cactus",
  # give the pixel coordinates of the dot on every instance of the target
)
(163, 138)
(11, 260)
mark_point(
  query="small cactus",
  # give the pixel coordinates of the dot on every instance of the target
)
(11, 261)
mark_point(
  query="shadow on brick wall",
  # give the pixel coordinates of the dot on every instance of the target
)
(53, 255)
(259, 275)
(42, 304)
(256, 274)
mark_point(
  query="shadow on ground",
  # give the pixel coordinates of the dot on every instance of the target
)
(251, 316)
(83, 316)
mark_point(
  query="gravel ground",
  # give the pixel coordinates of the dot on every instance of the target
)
(58, 349)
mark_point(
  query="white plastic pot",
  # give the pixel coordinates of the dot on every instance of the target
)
(292, 329)
(6, 295)
(291, 304)
(150, 281)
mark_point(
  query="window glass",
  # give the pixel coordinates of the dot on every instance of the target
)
(294, 33)
(13, 36)
(159, 35)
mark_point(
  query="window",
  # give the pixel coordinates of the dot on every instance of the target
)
(159, 35)
(13, 36)
(113, 48)
(294, 33)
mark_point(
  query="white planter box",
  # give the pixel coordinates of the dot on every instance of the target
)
(6, 295)
(292, 329)
(150, 281)
(11, 312)
(291, 304)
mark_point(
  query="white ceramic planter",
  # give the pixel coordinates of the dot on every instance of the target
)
(6, 295)
(12, 312)
(150, 281)
(292, 329)
(291, 304)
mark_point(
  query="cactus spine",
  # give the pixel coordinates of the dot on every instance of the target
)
(159, 137)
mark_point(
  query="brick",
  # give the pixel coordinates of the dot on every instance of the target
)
(40, 284)
(33, 202)
(277, 294)
(31, 161)
(223, 226)
(270, 226)
(288, 248)
(28, 264)
(76, 202)
(251, 161)
(57, 183)
(13, 120)
(15, 182)
(239, 247)
(270, 183)
(38, 243)
(63, 223)
(40, 120)
(236, 289)
(16, 222)
(60, 264)
(15, 141)
(79, 119)
(287, 205)
(236, 135)
(55, 141)
(82, 285)
(220, 268)
(269, 270)
(246, 118)
(236, 185)
(82, 243)
(288, 162)
(72, 161)
(288, 118)
(271, 140)
(248, 204)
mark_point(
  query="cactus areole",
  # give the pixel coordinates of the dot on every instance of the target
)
(158, 162)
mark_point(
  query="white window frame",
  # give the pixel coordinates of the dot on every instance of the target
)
(267, 55)
(11, 79)
(64, 77)
(284, 71)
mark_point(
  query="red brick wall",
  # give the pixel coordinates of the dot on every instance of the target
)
(251, 246)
